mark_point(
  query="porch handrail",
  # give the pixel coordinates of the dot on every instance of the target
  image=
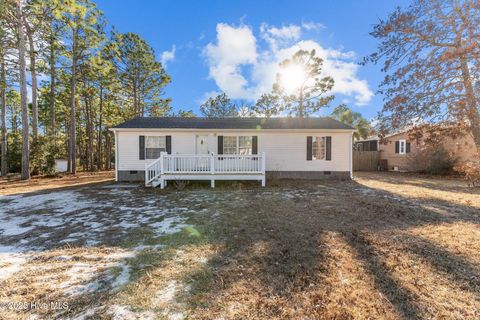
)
(153, 170)
(213, 163)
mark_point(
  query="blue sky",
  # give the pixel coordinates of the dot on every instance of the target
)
(235, 46)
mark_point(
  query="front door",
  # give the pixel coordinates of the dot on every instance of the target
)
(202, 145)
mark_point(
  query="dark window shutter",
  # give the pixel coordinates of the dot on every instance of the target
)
(407, 147)
(141, 147)
(397, 146)
(328, 147)
(168, 144)
(220, 145)
(254, 145)
(309, 148)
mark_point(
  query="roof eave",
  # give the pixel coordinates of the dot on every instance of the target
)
(233, 130)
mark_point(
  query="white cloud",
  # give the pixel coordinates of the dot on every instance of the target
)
(168, 56)
(312, 26)
(235, 47)
(276, 37)
(244, 71)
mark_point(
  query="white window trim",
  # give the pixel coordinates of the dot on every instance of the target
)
(237, 144)
(400, 143)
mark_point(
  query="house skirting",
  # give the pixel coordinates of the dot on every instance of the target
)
(308, 175)
(139, 175)
(131, 176)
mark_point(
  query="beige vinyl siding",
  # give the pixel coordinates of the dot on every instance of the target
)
(285, 150)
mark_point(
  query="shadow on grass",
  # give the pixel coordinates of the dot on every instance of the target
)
(273, 245)
(398, 295)
(453, 185)
(271, 251)
(457, 268)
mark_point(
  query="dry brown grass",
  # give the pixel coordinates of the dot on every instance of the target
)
(47, 183)
(381, 247)
(345, 250)
(450, 190)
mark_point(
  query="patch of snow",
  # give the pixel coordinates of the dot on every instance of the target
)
(146, 247)
(122, 278)
(11, 226)
(166, 297)
(203, 260)
(127, 225)
(11, 261)
(167, 294)
(119, 312)
(120, 186)
(169, 225)
(57, 200)
(87, 314)
(78, 290)
(52, 222)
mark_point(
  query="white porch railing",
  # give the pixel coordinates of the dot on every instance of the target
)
(199, 167)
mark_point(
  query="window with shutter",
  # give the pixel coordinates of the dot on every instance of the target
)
(402, 146)
(238, 145)
(141, 147)
(220, 145)
(309, 148)
(254, 145)
(319, 148)
(154, 145)
(328, 148)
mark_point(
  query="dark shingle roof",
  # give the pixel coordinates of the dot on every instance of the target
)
(232, 123)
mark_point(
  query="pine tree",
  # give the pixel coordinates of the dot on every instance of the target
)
(218, 107)
(300, 85)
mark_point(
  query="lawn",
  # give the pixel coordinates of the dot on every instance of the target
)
(382, 246)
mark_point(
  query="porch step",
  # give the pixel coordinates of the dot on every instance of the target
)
(155, 183)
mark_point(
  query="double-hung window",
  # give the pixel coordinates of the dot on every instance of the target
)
(318, 148)
(237, 145)
(245, 145)
(154, 145)
(229, 145)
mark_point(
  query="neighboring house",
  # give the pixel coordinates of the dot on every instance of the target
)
(155, 150)
(399, 151)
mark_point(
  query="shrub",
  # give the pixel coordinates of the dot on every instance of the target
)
(432, 160)
(470, 171)
(441, 162)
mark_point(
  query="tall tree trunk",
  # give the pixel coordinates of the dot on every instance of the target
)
(73, 89)
(135, 102)
(107, 149)
(33, 72)
(89, 128)
(472, 109)
(99, 130)
(3, 102)
(53, 120)
(25, 174)
(69, 160)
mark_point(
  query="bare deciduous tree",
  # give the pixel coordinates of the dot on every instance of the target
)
(430, 52)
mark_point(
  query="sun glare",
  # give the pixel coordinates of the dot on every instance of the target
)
(293, 77)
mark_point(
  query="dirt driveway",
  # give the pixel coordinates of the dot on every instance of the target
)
(381, 246)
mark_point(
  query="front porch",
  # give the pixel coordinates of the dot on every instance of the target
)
(204, 167)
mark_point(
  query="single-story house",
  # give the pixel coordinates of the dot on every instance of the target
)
(157, 149)
(400, 151)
